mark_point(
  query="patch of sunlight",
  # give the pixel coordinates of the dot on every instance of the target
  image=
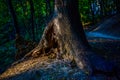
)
(80, 64)
(57, 26)
(96, 34)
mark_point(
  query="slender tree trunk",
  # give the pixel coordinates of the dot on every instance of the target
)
(65, 37)
(48, 10)
(117, 2)
(102, 9)
(92, 12)
(48, 7)
(23, 20)
(14, 17)
(32, 18)
(15, 22)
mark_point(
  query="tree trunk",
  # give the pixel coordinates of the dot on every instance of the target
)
(65, 37)
(14, 17)
(102, 12)
(23, 20)
(92, 12)
(32, 19)
(48, 8)
(117, 2)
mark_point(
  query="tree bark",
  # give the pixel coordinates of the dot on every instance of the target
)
(65, 37)
(23, 20)
(32, 19)
(14, 17)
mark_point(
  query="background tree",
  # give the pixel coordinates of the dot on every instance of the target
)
(92, 11)
(14, 17)
(117, 5)
(48, 7)
(32, 18)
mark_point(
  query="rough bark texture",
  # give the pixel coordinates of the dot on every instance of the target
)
(64, 37)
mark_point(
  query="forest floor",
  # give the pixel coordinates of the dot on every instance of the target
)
(108, 48)
(45, 68)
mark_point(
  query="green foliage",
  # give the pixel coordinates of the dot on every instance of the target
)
(84, 7)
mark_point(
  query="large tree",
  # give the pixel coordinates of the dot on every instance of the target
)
(64, 35)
